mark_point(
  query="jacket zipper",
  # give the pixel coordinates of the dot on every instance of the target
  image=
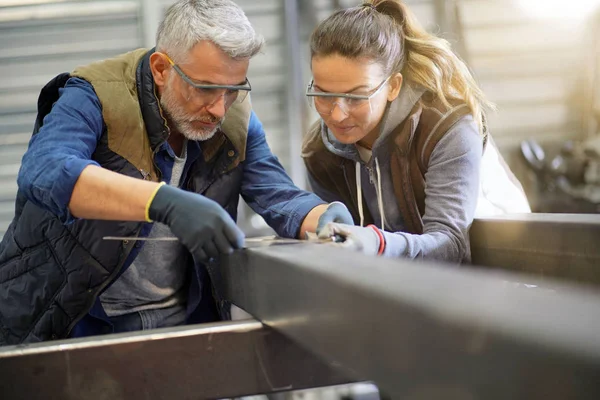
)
(166, 125)
(372, 179)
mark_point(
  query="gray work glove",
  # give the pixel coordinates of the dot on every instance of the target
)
(200, 224)
(335, 212)
(356, 238)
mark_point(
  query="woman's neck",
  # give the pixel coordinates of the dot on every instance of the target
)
(368, 141)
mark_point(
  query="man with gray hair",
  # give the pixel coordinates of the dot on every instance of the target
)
(153, 143)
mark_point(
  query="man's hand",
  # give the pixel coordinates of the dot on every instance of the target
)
(200, 223)
(321, 215)
(355, 238)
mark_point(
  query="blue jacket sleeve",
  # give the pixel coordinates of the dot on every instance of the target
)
(267, 188)
(62, 148)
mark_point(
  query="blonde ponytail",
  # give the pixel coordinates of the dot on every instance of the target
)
(386, 31)
(431, 63)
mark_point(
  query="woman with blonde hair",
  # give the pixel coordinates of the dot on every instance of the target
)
(401, 137)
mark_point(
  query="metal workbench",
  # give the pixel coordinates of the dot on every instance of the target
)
(522, 324)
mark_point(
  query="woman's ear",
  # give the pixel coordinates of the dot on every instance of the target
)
(395, 86)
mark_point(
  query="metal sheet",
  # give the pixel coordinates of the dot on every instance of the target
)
(198, 362)
(248, 242)
(564, 246)
(421, 330)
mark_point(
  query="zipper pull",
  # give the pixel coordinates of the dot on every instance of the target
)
(371, 175)
(145, 175)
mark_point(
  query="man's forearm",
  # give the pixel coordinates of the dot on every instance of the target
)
(106, 195)
(311, 220)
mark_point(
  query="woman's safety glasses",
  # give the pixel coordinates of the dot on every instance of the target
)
(324, 102)
(209, 94)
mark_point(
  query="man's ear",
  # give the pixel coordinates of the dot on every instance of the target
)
(160, 67)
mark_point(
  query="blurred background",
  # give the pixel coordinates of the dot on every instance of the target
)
(538, 60)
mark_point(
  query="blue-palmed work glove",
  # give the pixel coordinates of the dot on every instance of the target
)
(200, 224)
(367, 240)
(335, 212)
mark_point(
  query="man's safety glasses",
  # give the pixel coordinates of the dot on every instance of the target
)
(209, 94)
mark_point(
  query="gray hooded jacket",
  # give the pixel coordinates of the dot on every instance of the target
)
(451, 186)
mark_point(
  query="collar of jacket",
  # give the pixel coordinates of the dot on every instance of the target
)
(156, 124)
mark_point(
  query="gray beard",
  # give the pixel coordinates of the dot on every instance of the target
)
(182, 123)
(186, 129)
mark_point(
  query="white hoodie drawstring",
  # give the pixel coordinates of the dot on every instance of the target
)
(359, 194)
(380, 195)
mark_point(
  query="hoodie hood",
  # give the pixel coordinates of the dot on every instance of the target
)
(395, 113)
(380, 186)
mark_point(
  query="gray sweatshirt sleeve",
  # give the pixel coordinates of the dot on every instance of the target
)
(451, 191)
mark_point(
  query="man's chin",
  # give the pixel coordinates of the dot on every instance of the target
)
(200, 135)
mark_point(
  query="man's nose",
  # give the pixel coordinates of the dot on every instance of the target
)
(217, 108)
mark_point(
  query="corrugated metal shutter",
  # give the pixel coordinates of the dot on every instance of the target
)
(38, 42)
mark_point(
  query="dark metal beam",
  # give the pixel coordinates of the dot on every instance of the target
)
(559, 246)
(201, 362)
(421, 330)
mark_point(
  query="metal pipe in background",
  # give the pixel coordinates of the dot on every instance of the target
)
(296, 105)
(448, 19)
(151, 14)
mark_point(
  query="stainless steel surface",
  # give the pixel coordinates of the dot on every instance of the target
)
(196, 362)
(266, 239)
(248, 242)
(564, 246)
(143, 239)
(421, 330)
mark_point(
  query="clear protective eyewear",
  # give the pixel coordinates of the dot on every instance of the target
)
(324, 102)
(209, 94)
